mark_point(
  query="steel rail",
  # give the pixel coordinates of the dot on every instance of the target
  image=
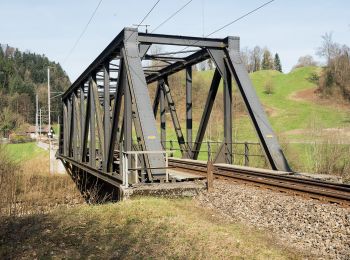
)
(316, 189)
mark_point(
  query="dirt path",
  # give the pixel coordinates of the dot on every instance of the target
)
(311, 95)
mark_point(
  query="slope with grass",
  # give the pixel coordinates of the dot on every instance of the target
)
(287, 113)
(141, 228)
(25, 151)
(295, 114)
(295, 120)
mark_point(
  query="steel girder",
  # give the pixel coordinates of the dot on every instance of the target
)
(96, 102)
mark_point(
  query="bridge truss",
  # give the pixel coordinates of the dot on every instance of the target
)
(111, 98)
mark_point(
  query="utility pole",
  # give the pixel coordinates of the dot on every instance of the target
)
(36, 116)
(40, 124)
(49, 119)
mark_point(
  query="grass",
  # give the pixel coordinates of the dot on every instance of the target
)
(289, 114)
(138, 229)
(25, 151)
(293, 114)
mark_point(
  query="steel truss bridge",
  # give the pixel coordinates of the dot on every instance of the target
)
(111, 98)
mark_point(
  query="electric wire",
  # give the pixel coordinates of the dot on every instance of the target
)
(144, 18)
(239, 18)
(148, 13)
(234, 21)
(82, 33)
(171, 16)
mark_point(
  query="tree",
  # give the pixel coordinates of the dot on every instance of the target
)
(277, 63)
(256, 58)
(267, 63)
(328, 49)
(210, 64)
(305, 61)
(245, 56)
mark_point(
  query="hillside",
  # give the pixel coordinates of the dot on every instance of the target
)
(290, 113)
(293, 111)
(23, 75)
(297, 113)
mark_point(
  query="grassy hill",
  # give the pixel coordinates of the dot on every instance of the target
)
(297, 119)
(291, 113)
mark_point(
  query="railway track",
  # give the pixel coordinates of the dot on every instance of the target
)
(280, 181)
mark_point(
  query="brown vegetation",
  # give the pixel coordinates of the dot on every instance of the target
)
(29, 188)
(145, 228)
(335, 78)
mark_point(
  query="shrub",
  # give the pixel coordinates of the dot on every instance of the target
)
(269, 87)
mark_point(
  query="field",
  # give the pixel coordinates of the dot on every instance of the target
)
(24, 152)
(140, 228)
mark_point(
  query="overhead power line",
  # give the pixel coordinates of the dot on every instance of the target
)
(236, 20)
(144, 18)
(241, 17)
(82, 33)
(171, 16)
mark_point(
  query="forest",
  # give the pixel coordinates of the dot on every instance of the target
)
(23, 75)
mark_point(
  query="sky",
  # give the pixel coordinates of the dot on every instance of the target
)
(292, 28)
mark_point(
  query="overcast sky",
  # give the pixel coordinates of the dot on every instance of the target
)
(292, 28)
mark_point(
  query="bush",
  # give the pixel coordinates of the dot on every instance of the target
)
(269, 87)
(18, 139)
(330, 156)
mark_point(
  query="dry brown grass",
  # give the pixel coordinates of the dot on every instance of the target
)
(330, 156)
(136, 229)
(28, 188)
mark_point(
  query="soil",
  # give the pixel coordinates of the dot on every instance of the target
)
(313, 96)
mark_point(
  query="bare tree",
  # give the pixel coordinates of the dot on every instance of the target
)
(305, 61)
(329, 49)
(255, 58)
(245, 56)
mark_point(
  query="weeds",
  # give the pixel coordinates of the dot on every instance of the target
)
(28, 188)
(330, 156)
(269, 87)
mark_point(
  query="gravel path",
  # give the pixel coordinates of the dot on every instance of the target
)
(321, 230)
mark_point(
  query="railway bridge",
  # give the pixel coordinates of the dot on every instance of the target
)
(109, 130)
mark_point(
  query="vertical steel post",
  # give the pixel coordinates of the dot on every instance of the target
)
(74, 128)
(86, 125)
(162, 115)
(228, 116)
(82, 121)
(127, 119)
(65, 128)
(189, 106)
(92, 149)
(107, 115)
(70, 124)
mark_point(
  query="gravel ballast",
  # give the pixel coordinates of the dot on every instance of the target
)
(314, 228)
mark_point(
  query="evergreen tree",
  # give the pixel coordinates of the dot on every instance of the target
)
(277, 63)
(22, 75)
(267, 63)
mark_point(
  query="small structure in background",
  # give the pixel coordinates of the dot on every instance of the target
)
(42, 133)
